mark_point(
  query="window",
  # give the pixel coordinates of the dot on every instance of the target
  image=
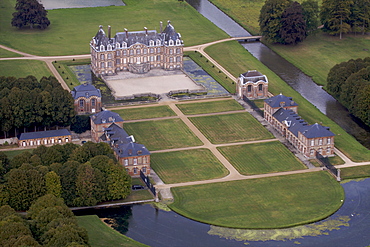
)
(140, 160)
(249, 88)
(135, 162)
(178, 59)
(171, 51)
(135, 170)
(158, 58)
(39, 142)
(312, 142)
(109, 64)
(151, 58)
(138, 51)
(118, 53)
(158, 42)
(158, 50)
(67, 140)
(102, 56)
(329, 140)
(312, 152)
(124, 45)
(131, 52)
(178, 50)
(178, 42)
(109, 56)
(126, 162)
(31, 143)
(60, 140)
(320, 141)
(151, 50)
(171, 42)
(145, 51)
(117, 46)
(82, 102)
(144, 169)
(124, 60)
(118, 61)
(171, 59)
(102, 65)
(109, 47)
(151, 43)
(93, 102)
(260, 87)
(124, 52)
(45, 141)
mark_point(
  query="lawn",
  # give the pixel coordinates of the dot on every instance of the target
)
(355, 172)
(186, 166)
(101, 235)
(11, 154)
(145, 112)
(163, 134)
(210, 107)
(275, 202)
(66, 73)
(260, 158)
(24, 68)
(6, 53)
(233, 57)
(228, 128)
(71, 30)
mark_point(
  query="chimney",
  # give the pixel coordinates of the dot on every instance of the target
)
(146, 30)
(126, 33)
(161, 25)
(108, 32)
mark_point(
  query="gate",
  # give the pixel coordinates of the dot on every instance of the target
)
(148, 183)
(324, 162)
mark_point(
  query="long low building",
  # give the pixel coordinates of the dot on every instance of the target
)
(282, 113)
(49, 137)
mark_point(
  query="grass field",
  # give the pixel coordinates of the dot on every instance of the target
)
(13, 153)
(228, 128)
(66, 73)
(275, 202)
(186, 166)
(71, 30)
(24, 68)
(6, 53)
(145, 112)
(233, 57)
(260, 158)
(355, 172)
(101, 235)
(210, 107)
(163, 134)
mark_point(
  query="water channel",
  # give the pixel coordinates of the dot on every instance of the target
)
(288, 72)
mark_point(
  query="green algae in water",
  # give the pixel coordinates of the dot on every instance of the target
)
(314, 229)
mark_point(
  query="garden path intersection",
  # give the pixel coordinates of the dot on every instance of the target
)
(233, 173)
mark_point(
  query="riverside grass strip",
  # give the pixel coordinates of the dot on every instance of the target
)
(100, 234)
(71, 29)
(234, 58)
(229, 128)
(260, 158)
(355, 172)
(163, 134)
(209, 107)
(145, 112)
(275, 202)
(24, 68)
(187, 165)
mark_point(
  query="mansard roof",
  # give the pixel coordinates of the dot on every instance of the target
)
(85, 90)
(44, 134)
(280, 101)
(296, 124)
(253, 76)
(131, 149)
(136, 37)
(106, 117)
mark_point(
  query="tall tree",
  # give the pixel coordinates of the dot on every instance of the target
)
(293, 29)
(360, 16)
(85, 186)
(30, 13)
(311, 14)
(53, 185)
(335, 16)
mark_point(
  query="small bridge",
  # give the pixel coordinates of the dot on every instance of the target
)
(247, 38)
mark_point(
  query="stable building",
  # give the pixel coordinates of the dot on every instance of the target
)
(49, 137)
(102, 120)
(136, 51)
(252, 85)
(87, 99)
(281, 113)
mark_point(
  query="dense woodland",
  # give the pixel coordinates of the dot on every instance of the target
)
(289, 22)
(49, 222)
(81, 175)
(349, 83)
(27, 103)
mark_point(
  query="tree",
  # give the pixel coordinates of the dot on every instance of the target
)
(53, 185)
(311, 14)
(30, 13)
(293, 29)
(335, 16)
(85, 185)
(270, 19)
(81, 123)
(118, 182)
(68, 174)
(360, 16)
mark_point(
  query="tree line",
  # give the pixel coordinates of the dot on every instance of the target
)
(289, 22)
(80, 175)
(349, 83)
(49, 222)
(29, 103)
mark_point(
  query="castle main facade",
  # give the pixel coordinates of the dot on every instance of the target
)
(137, 51)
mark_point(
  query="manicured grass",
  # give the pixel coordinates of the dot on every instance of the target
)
(233, 57)
(6, 53)
(210, 107)
(355, 172)
(71, 30)
(24, 68)
(186, 166)
(213, 71)
(236, 127)
(275, 202)
(64, 71)
(101, 235)
(11, 154)
(260, 158)
(163, 134)
(145, 112)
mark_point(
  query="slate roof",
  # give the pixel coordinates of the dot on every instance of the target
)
(253, 76)
(280, 99)
(44, 134)
(123, 144)
(134, 37)
(296, 124)
(85, 90)
(106, 117)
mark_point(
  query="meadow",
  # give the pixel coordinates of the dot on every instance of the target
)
(209, 107)
(163, 134)
(260, 158)
(6, 53)
(187, 165)
(145, 112)
(24, 68)
(275, 202)
(228, 128)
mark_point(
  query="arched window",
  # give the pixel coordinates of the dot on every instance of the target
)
(109, 47)
(151, 43)
(260, 87)
(158, 42)
(102, 65)
(178, 42)
(82, 103)
(249, 88)
(93, 102)
(117, 45)
(171, 42)
(144, 169)
(178, 59)
(124, 44)
(171, 59)
(109, 56)
(135, 170)
(138, 51)
(178, 50)
(102, 48)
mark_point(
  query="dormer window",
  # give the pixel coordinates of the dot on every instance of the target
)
(124, 44)
(171, 42)
(151, 43)
(109, 48)
(102, 48)
(178, 42)
(117, 45)
(158, 42)
(86, 94)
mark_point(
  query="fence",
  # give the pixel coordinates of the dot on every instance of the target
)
(324, 162)
(148, 183)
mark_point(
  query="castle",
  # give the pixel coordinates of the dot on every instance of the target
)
(136, 51)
